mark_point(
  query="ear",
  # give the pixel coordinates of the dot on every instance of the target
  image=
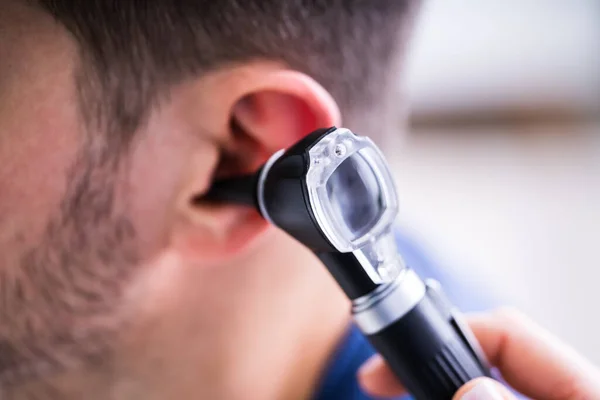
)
(288, 106)
(264, 112)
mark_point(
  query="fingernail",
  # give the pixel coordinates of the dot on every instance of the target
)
(369, 366)
(484, 390)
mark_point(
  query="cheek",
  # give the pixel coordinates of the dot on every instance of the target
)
(39, 127)
(39, 140)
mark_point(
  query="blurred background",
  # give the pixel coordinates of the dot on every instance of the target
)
(500, 174)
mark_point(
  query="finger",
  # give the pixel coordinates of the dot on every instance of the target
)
(378, 380)
(484, 389)
(532, 361)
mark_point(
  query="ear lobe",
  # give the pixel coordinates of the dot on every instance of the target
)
(288, 106)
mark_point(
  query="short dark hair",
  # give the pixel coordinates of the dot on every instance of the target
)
(132, 50)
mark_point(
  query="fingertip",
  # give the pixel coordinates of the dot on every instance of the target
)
(372, 365)
(484, 389)
(377, 379)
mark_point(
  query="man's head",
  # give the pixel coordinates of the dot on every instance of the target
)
(115, 115)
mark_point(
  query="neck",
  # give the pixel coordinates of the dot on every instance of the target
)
(271, 337)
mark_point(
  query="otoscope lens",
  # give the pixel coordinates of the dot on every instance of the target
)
(355, 195)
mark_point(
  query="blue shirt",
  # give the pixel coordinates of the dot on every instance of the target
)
(340, 381)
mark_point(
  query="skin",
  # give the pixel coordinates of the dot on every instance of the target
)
(113, 283)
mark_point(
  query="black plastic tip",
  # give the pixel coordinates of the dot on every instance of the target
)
(239, 190)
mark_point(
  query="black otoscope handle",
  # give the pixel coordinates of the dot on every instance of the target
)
(430, 349)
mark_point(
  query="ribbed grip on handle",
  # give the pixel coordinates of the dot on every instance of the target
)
(429, 352)
(448, 371)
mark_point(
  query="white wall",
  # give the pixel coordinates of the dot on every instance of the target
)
(470, 55)
(520, 209)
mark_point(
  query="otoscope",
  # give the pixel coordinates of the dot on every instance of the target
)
(333, 192)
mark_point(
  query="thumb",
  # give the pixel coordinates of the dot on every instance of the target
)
(484, 389)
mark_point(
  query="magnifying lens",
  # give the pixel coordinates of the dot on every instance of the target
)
(333, 192)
